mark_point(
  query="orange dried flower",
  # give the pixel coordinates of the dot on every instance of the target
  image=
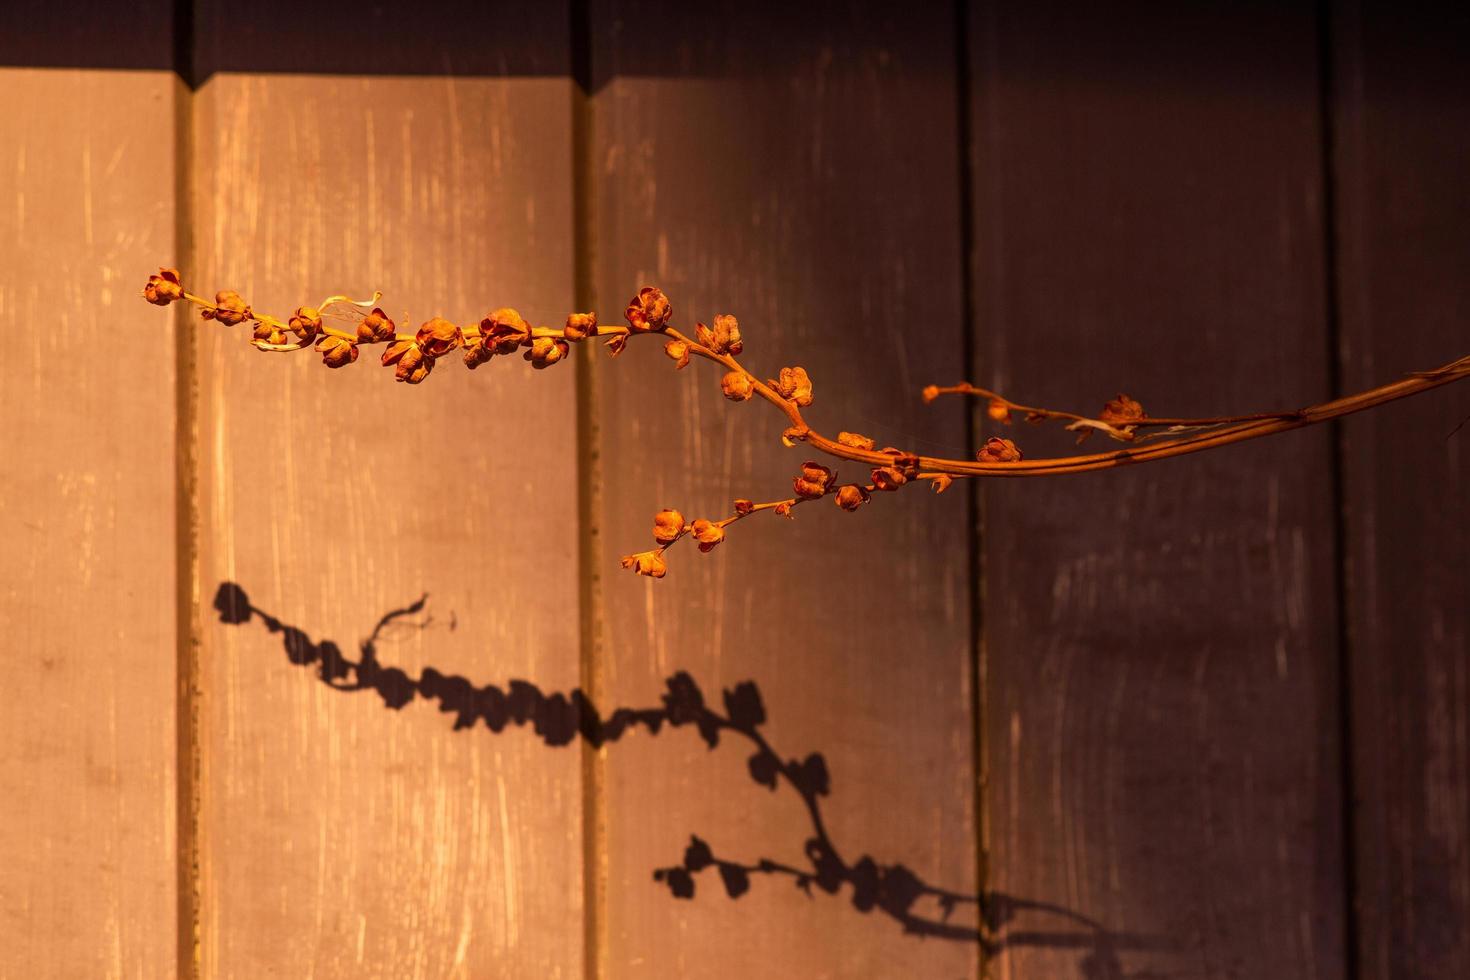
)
(855, 441)
(724, 338)
(545, 352)
(1122, 411)
(649, 563)
(737, 386)
(413, 365)
(888, 478)
(708, 534)
(794, 385)
(228, 309)
(306, 323)
(998, 410)
(667, 526)
(813, 481)
(783, 509)
(649, 310)
(503, 331)
(850, 496)
(616, 343)
(376, 328)
(337, 351)
(438, 337)
(743, 506)
(998, 450)
(580, 326)
(269, 333)
(678, 352)
(163, 288)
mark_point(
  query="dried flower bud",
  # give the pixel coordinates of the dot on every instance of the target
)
(708, 534)
(616, 343)
(793, 434)
(855, 441)
(476, 354)
(503, 331)
(678, 352)
(743, 506)
(438, 337)
(794, 385)
(413, 365)
(998, 450)
(737, 386)
(888, 478)
(998, 410)
(813, 481)
(905, 462)
(667, 526)
(649, 310)
(545, 352)
(580, 326)
(783, 509)
(337, 351)
(306, 322)
(725, 338)
(649, 563)
(229, 309)
(163, 288)
(376, 328)
(850, 496)
(929, 393)
(942, 482)
(1122, 411)
(268, 333)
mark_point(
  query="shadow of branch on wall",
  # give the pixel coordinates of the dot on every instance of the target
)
(559, 719)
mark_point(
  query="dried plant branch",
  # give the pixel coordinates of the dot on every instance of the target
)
(649, 313)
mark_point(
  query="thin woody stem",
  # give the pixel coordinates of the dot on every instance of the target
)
(965, 388)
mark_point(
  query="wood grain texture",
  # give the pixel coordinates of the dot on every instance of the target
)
(800, 174)
(1402, 155)
(342, 838)
(86, 517)
(1160, 649)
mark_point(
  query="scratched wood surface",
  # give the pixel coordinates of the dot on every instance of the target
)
(86, 520)
(1161, 715)
(1404, 228)
(344, 833)
(799, 173)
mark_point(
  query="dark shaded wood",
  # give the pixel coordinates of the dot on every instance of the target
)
(346, 833)
(87, 829)
(815, 197)
(1160, 648)
(1402, 156)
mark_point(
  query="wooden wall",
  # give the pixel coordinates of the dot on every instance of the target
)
(315, 674)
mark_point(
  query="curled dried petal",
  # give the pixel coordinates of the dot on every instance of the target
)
(163, 288)
(850, 496)
(580, 326)
(376, 328)
(942, 482)
(228, 309)
(438, 337)
(708, 534)
(998, 450)
(678, 352)
(791, 435)
(783, 509)
(855, 441)
(649, 563)
(649, 310)
(998, 410)
(1122, 411)
(888, 478)
(813, 481)
(737, 386)
(545, 352)
(337, 351)
(616, 343)
(794, 385)
(306, 323)
(743, 506)
(667, 526)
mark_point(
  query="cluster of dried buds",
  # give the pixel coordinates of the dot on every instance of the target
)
(504, 331)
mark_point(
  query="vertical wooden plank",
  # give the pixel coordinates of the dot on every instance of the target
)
(1402, 154)
(797, 168)
(1160, 644)
(87, 852)
(367, 833)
